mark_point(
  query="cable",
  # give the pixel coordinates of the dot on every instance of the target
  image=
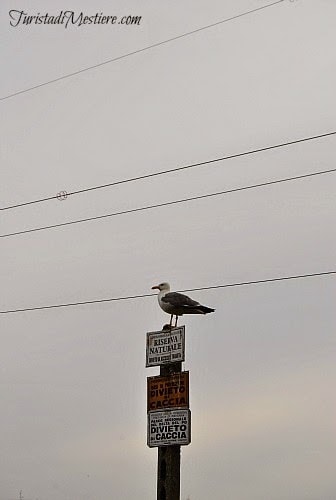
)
(69, 75)
(132, 297)
(167, 203)
(177, 169)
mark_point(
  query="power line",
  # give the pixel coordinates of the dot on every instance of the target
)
(133, 297)
(118, 58)
(167, 203)
(176, 169)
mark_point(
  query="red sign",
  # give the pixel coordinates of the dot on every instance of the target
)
(168, 392)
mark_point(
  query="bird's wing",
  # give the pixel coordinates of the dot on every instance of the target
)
(178, 300)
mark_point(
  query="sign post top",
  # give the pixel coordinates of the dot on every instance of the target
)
(165, 346)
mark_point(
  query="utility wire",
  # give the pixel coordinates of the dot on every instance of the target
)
(177, 169)
(132, 297)
(167, 203)
(69, 75)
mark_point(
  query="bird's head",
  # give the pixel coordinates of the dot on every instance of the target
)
(162, 286)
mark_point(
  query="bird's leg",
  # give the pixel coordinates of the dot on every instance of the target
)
(171, 320)
(176, 320)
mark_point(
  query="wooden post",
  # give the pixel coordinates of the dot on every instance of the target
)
(168, 476)
(169, 457)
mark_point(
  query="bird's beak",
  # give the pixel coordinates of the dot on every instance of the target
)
(155, 287)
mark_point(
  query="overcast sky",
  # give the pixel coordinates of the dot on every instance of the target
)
(262, 367)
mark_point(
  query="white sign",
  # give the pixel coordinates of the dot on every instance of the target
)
(169, 427)
(165, 346)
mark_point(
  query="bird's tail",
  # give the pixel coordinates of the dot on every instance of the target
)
(205, 309)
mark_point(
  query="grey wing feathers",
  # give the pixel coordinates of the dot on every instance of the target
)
(178, 299)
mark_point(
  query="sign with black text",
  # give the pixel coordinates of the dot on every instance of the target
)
(165, 346)
(170, 427)
(171, 391)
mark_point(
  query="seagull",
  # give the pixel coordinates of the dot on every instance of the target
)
(177, 304)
